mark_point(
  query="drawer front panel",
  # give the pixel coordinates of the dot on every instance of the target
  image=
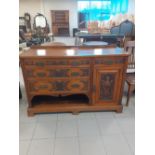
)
(109, 61)
(57, 86)
(43, 63)
(57, 72)
(63, 62)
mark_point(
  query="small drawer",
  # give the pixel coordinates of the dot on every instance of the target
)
(46, 63)
(109, 61)
(80, 62)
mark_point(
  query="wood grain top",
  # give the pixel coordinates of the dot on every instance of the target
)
(73, 52)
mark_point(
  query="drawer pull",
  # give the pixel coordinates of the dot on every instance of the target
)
(41, 74)
(75, 63)
(40, 64)
(75, 74)
(43, 87)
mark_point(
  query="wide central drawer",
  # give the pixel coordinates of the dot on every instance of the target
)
(74, 72)
(57, 86)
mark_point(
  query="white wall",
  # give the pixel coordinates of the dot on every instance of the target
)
(131, 8)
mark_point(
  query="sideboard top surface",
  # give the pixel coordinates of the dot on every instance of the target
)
(73, 52)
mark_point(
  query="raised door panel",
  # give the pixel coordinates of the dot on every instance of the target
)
(107, 85)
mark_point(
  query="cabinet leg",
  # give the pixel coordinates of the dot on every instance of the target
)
(130, 89)
(30, 114)
(119, 110)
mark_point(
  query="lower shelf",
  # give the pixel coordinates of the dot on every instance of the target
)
(73, 103)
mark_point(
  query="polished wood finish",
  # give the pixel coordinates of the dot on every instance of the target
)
(62, 79)
(130, 76)
(60, 22)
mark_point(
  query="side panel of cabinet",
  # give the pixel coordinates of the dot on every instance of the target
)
(107, 84)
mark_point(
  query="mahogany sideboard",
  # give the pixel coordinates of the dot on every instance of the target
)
(63, 79)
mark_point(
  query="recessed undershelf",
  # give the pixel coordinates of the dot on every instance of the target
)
(72, 103)
(59, 100)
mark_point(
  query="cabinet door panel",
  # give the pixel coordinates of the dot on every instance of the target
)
(107, 84)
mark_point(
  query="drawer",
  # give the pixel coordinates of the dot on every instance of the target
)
(64, 62)
(45, 62)
(58, 86)
(109, 61)
(32, 72)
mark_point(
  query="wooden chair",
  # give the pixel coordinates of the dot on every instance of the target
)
(130, 75)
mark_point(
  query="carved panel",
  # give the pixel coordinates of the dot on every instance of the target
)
(59, 85)
(58, 73)
(78, 85)
(36, 86)
(107, 82)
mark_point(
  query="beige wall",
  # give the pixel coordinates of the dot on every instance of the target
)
(31, 6)
(44, 6)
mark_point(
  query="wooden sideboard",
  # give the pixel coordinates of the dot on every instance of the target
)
(62, 79)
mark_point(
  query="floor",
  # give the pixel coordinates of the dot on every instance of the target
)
(89, 133)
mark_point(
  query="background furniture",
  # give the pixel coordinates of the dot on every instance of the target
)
(125, 28)
(95, 43)
(29, 41)
(60, 22)
(22, 24)
(62, 79)
(108, 37)
(53, 44)
(115, 35)
(41, 28)
(130, 75)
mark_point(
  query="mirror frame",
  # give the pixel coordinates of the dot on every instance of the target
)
(38, 15)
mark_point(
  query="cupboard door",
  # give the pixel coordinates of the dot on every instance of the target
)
(107, 84)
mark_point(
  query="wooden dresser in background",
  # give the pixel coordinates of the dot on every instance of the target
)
(60, 22)
(63, 79)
